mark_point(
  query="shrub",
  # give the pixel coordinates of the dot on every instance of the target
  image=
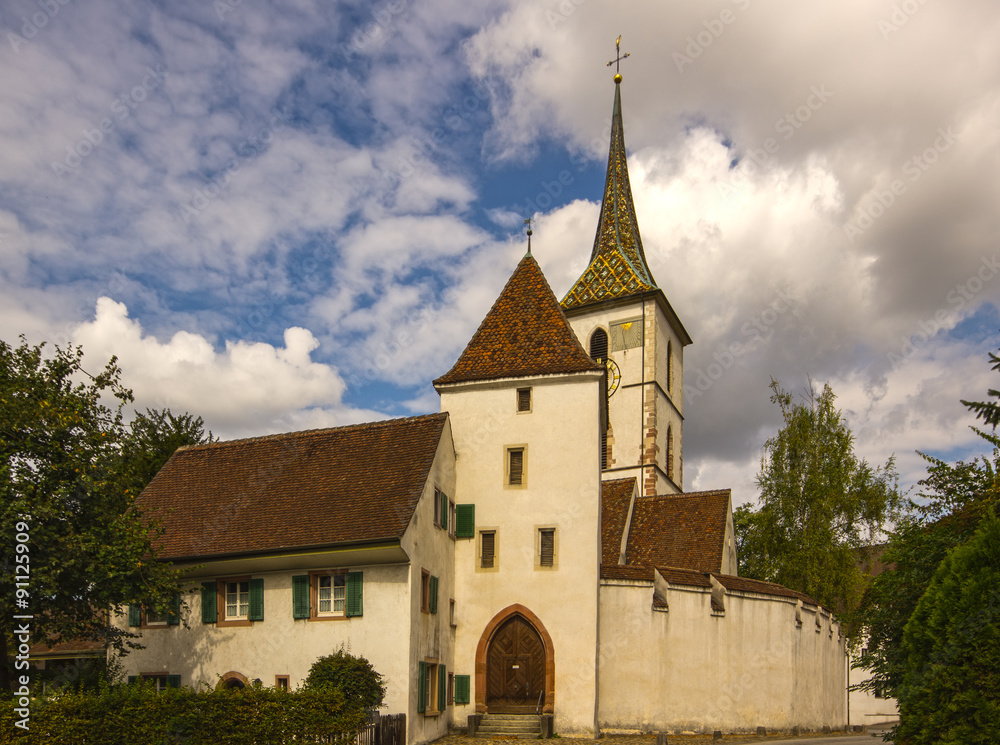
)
(951, 688)
(128, 714)
(353, 676)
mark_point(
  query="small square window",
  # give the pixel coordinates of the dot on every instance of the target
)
(524, 399)
(281, 682)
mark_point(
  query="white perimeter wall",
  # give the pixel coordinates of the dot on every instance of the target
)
(690, 670)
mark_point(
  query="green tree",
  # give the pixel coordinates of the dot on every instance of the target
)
(88, 550)
(353, 676)
(950, 691)
(818, 505)
(150, 440)
(952, 502)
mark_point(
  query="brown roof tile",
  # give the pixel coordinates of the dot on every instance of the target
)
(679, 530)
(525, 333)
(616, 495)
(320, 487)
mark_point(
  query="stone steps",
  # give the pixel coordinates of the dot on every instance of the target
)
(523, 726)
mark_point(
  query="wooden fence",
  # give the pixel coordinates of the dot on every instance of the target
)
(388, 729)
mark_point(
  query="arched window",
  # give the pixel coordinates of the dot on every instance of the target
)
(599, 344)
(670, 453)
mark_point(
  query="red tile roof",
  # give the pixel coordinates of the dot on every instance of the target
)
(525, 333)
(679, 530)
(616, 495)
(296, 490)
(75, 646)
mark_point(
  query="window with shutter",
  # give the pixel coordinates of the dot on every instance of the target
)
(462, 689)
(444, 510)
(465, 521)
(173, 681)
(134, 615)
(256, 609)
(487, 549)
(524, 399)
(546, 546)
(599, 345)
(515, 466)
(421, 686)
(355, 594)
(209, 591)
(300, 596)
(174, 617)
(433, 605)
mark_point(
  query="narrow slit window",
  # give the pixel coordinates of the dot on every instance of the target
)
(488, 541)
(515, 472)
(546, 547)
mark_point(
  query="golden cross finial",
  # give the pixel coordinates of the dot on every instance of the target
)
(618, 58)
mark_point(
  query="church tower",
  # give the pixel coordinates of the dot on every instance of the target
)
(623, 319)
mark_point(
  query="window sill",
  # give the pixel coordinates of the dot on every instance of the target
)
(232, 623)
(328, 618)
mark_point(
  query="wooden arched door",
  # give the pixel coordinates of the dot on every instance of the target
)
(515, 668)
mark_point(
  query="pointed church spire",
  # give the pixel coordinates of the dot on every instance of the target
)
(617, 263)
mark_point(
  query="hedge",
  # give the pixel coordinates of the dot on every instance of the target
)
(130, 714)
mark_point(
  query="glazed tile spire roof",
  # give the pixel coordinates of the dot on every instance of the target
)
(525, 333)
(617, 264)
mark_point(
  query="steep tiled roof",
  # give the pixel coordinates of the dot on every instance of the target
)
(321, 487)
(615, 498)
(525, 333)
(680, 530)
(617, 263)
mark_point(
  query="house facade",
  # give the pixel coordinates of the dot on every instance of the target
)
(530, 549)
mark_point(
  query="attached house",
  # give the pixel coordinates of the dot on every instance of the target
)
(528, 550)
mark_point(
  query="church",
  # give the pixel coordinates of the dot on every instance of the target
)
(526, 560)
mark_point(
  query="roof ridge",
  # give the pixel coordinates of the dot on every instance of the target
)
(312, 432)
(682, 495)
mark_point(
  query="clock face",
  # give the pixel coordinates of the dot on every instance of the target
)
(614, 376)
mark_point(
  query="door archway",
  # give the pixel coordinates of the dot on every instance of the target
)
(515, 664)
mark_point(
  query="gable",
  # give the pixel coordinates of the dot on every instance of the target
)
(524, 334)
(359, 483)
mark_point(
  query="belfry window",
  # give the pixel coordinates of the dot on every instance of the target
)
(599, 345)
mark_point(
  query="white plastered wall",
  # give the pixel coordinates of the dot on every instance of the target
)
(562, 490)
(688, 669)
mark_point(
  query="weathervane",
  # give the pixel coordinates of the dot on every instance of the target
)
(527, 221)
(618, 59)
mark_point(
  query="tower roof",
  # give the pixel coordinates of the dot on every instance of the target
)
(617, 264)
(525, 333)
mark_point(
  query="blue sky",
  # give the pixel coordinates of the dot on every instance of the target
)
(281, 218)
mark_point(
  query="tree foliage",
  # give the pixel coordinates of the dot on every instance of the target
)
(150, 440)
(953, 501)
(818, 505)
(65, 486)
(950, 690)
(353, 676)
(988, 411)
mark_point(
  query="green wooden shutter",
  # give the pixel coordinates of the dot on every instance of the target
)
(134, 615)
(132, 679)
(355, 594)
(256, 599)
(173, 681)
(442, 688)
(421, 687)
(461, 689)
(174, 617)
(444, 510)
(465, 521)
(209, 614)
(300, 596)
(434, 595)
